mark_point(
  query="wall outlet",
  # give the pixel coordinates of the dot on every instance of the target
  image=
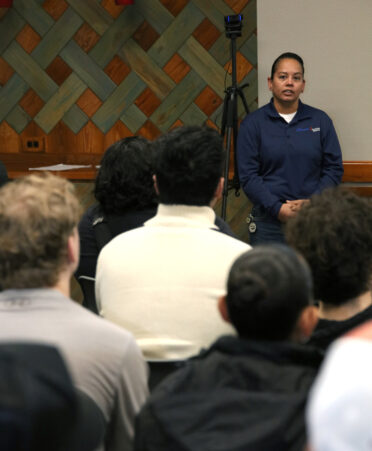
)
(33, 144)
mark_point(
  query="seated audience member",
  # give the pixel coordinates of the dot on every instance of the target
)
(340, 402)
(126, 199)
(39, 252)
(247, 392)
(334, 234)
(162, 281)
(39, 408)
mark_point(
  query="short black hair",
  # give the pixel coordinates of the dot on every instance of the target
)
(124, 180)
(287, 55)
(267, 289)
(189, 164)
(334, 234)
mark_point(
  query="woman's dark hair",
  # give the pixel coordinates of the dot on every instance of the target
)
(287, 55)
(267, 289)
(124, 180)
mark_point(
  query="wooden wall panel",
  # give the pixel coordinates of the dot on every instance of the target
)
(79, 75)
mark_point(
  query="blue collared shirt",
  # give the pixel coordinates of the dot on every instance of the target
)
(278, 161)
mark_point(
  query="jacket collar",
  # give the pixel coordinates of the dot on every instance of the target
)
(302, 111)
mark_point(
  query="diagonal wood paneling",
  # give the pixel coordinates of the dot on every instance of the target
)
(82, 73)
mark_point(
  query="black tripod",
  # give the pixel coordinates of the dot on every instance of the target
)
(230, 111)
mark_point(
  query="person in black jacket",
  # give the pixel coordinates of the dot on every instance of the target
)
(334, 234)
(247, 392)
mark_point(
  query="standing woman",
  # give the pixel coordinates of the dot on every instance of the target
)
(287, 151)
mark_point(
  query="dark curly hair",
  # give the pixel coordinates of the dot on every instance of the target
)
(334, 234)
(124, 180)
(267, 289)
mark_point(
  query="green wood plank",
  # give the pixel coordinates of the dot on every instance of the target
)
(75, 119)
(10, 25)
(173, 37)
(155, 13)
(221, 49)
(53, 111)
(249, 19)
(93, 13)
(120, 99)
(250, 93)
(18, 119)
(204, 64)
(35, 15)
(178, 101)
(57, 37)
(11, 94)
(133, 118)
(193, 116)
(119, 32)
(145, 67)
(30, 71)
(249, 49)
(215, 10)
(84, 66)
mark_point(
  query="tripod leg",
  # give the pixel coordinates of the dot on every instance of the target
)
(226, 174)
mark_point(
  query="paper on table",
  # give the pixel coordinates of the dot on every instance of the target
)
(60, 167)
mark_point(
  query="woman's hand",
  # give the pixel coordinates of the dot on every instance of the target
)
(297, 204)
(291, 208)
(286, 212)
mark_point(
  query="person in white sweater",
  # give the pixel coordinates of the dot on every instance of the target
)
(162, 281)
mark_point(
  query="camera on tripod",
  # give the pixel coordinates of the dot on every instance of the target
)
(233, 26)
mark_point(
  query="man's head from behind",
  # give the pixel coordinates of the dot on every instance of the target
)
(38, 217)
(334, 234)
(269, 295)
(189, 165)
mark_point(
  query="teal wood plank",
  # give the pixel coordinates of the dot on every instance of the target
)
(145, 67)
(178, 101)
(120, 99)
(75, 119)
(53, 111)
(18, 119)
(114, 38)
(84, 66)
(204, 64)
(249, 49)
(250, 93)
(215, 10)
(249, 19)
(34, 14)
(93, 13)
(221, 49)
(10, 25)
(173, 37)
(30, 71)
(57, 37)
(11, 94)
(193, 116)
(154, 13)
(133, 118)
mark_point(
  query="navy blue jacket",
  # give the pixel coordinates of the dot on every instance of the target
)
(278, 161)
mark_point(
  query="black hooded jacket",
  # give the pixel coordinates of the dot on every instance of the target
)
(239, 395)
